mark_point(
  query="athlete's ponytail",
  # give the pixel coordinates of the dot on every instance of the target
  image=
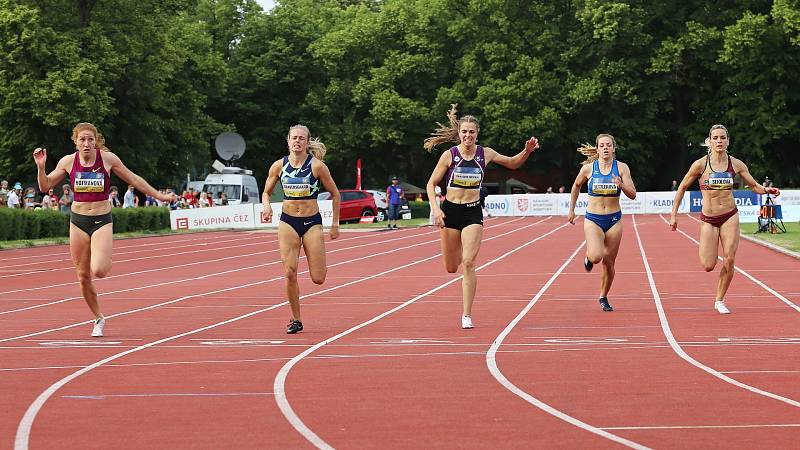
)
(449, 133)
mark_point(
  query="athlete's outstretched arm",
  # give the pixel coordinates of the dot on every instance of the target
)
(516, 161)
(115, 164)
(49, 181)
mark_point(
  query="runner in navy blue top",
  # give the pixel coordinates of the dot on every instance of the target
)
(460, 216)
(607, 178)
(394, 196)
(300, 174)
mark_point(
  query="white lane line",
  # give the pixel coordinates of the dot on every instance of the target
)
(702, 427)
(187, 394)
(740, 270)
(491, 363)
(214, 275)
(22, 438)
(679, 350)
(184, 280)
(279, 386)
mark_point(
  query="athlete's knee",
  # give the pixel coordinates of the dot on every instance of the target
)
(708, 266)
(319, 277)
(84, 277)
(291, 273)
(469, 265)
(728, 262)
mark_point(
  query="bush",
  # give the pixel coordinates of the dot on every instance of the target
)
(18, 224)
(420, 209)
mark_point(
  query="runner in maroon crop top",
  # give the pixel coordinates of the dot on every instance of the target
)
(720, 218)
(90, 230)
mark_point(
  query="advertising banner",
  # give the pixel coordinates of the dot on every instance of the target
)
(231, 216)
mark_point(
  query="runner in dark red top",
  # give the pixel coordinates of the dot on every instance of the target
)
(91, 229)
(720, 216)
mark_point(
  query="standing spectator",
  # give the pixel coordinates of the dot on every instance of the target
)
(395, 194)
(30, 198)
(4, 187)
(50, 200)
(66, 199)
(674, 185)
(14, 195)
(130, 200)
(113, 197)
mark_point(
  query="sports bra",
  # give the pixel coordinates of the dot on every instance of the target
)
(299, 183)
(718, 181)
(90, 184)
(466, 174)
(602, 185)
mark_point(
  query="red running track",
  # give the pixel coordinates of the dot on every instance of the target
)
(195, 354)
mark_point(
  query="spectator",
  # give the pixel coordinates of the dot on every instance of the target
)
(50, 200)
(113, 197)
(223, 199)
(204, 202)
(130, 199)
(549, 190)
(4, 187)
(30, 199)
(3, 200)
(191, 199)
(767, 182)
(394, 194)
(13, 199)
(674, 185)
(66, 199)
(561, 189)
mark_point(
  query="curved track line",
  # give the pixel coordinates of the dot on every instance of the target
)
(279, 387)
(491, 363)
(677, 347)
(22, 437)
(740, 270)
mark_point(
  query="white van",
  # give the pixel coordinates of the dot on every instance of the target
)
(239, 185)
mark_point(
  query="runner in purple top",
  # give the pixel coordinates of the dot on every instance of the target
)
(460, 216)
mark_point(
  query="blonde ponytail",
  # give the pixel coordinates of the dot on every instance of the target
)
(449, 133)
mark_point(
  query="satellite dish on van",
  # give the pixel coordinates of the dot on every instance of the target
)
(230, 146)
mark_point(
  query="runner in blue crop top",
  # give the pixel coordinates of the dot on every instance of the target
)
(300, 225)
(607, 177)
(460, 215)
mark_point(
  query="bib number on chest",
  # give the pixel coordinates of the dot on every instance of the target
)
(467, 177)
(89, 182)
(294, 187)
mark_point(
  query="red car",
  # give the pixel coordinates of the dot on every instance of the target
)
(355, 204)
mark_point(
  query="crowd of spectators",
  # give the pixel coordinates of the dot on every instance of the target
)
(28, 198)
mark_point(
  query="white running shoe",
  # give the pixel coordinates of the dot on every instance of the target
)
(99, 324)
(466, 322)
(719, 305)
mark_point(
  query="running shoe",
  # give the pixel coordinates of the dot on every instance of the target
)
(99, 324)
(294, 326)
(587, 264)
(466, 322)
(604, 303)
(719, 305)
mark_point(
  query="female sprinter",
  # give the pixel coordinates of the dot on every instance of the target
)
(607, 177)
(90, 229)
(460, 216)
(719, 216)
(300, 174)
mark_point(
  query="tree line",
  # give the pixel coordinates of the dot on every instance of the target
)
(161, 78)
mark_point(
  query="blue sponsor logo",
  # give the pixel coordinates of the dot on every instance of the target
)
(740, 197)
(498, 207)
